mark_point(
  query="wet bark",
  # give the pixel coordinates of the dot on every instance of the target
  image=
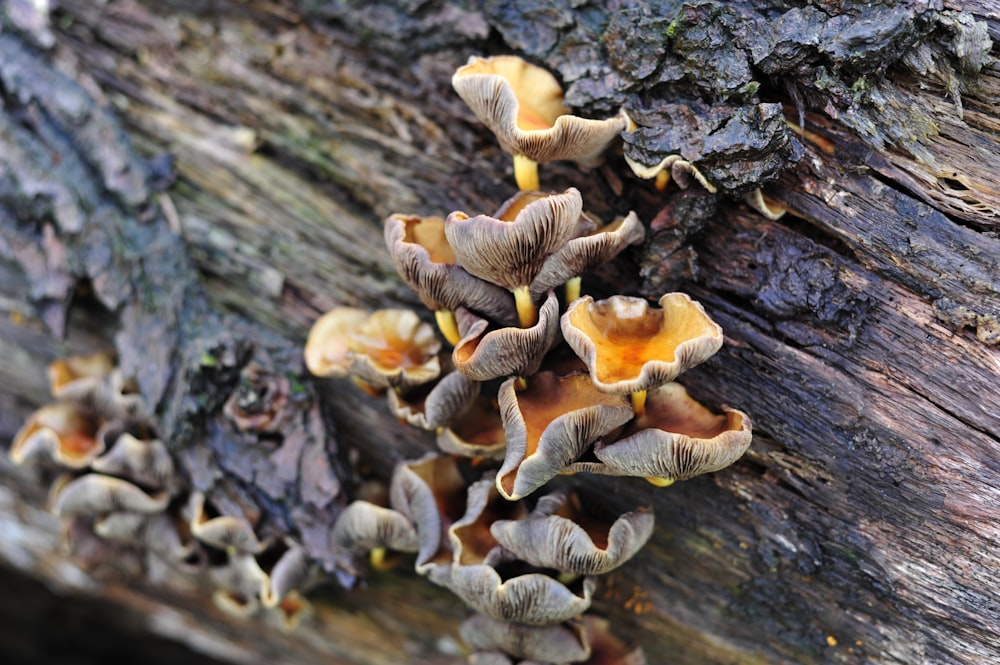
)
(192, 183)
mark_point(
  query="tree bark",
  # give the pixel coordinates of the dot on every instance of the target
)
(861, 327)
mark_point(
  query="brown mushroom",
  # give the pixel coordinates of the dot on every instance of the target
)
(423, 258)
(630, 347)
(510, 248)
(522, 104)
(393, 348)
(64, 431)
(677, 438)
(433, 406)
(327, 351)
(476, 433)
(549, 424)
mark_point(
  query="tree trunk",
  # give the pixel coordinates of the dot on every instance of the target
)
(861, 327)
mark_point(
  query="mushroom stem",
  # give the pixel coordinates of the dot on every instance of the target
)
(526, 173)
(573, 288)
(662, 180)
(526, 311)
(448, 326)
(639, 402)
(521, 383)
(378, 560)
(659, 482)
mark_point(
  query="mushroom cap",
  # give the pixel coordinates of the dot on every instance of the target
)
(472, 541)
(549, 425)
(476, 433)
(327, 352)
(364, 526)
(290, 572)
(432, 406)
(522, 104)
(678, 168)
(97, 494)
(144, 461)
(574, 542)
(225, 532)
(531, 598)
(425, 261)
(484, 354)
(510, 248)
(71, 377)
(62, 430)
(394, 348)
(583, 253)
(629, 346)
(559, 643)
(677, 438)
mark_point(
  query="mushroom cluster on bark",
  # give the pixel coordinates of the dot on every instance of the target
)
(509, 413)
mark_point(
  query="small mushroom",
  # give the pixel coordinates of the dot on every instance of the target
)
(583, 253)
(143, 461)
(240, 582)
(471, 539)
(433, 406)
(770, 208)
(677, 438)
(522, 104)
(519, 594)
(549, 424)
(327, 352)
(73, 377)
(158, 533)
(96, 494)
(393, 348)
(287, 575)
(630, 347)
(484, 354)
(476, 433)
(364, 526)
(559, 534)
(64, 431)
(559, 643)
(225, 532)
(424, 259)
(510, 248)
(675, 166)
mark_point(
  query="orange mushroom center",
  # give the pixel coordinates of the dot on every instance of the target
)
(428, 232)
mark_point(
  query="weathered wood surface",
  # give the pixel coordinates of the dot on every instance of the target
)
(861, 328)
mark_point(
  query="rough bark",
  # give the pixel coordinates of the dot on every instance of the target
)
(861, 328)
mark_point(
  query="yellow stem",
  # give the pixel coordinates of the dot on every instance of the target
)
(662, 180)
(573, 289)
(639, 402)
(526, 173)
(520, 383)
(448, 326)
(525, 308)
(660, 482)
(378, 560)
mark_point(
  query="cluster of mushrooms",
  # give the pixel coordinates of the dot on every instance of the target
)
(114, 484)
(540, 381)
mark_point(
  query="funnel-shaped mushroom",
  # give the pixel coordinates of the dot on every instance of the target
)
(560, 643)
(583, 253)
(476, 433)
(484, 354)
(393, 348)
(424, 259)
(549, 424)
(510, 248)
(64, 431)
(522, 104)
(471, 539)
(437, 405)
(559, 534)
(677, 438)
(631, 347)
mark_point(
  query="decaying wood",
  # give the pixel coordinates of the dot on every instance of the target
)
(861, 329)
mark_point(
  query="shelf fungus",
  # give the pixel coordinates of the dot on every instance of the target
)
(559, 643)
(584, 252)
(549, 424)
(631, 347)
(62, 431)
(522, 104)
(432, 406)
(559, 534)
(425, 260)
(677, 438)
(510, 248)
(484, 354)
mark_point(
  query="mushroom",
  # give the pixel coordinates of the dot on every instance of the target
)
(682, 171)
(97, 494)
(327, 351)
(584, 252)
(549, 424)
(476, 433)
(423, 258)
(677, 438)
(433, 406)
(630, 347)
(472, 541)
(768, 207)
(73, 377)
(559, 643)
(226, 532)
(288, 574)
(522, 104)
(64, 431)
(559, 534)
(393, 348)
(483, 354)
(366, 527)
(510, 248)
(143, 461)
